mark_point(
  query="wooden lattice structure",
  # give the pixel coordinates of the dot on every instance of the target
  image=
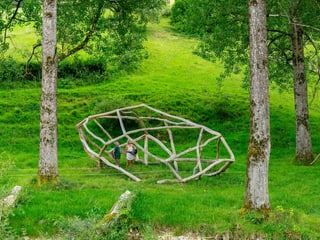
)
(159, 138)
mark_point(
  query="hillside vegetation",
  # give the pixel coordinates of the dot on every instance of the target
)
(176, 81)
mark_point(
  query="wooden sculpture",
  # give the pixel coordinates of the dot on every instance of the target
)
(159, 138)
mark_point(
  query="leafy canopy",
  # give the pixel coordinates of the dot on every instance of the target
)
(222, 27)
(112, 30)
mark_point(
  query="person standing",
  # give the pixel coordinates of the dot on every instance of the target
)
(116, 153)
(129, 154)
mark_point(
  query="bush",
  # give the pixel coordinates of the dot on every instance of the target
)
(6, 231)
(178, 14)
(10, 70)
(32, 71)
(13, 72)
(81, 68)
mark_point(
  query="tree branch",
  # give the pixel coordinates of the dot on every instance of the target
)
(34, 47)
(276, 15)
(11, 20)
(272, 40)
(317, 70)
(308, 26)
(278, 31)
(84, 43)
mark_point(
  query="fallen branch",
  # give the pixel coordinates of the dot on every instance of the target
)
(9, 201)
(119, 209)
(316, 159)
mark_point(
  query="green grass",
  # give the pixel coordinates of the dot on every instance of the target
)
(172, 79)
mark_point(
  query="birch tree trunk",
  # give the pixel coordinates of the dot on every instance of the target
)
(48, 162)
(257, 196)
(303, 136)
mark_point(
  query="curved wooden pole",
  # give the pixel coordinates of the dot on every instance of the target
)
(91, 142)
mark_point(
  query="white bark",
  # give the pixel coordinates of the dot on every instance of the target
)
(119, 209)
(48, 162)
(10, 200)
(257, 196)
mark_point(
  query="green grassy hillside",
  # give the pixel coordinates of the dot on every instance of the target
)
(174, 80)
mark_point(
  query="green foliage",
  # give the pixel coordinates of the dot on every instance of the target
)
(220, 28)
(6, 231)
(179, 14)
(10, 70)
(176, 81)
(111, 33)
(119, 30)
(224, 37)
(77, 228)
(81, 69)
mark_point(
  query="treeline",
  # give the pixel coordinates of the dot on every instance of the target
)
(13, 71)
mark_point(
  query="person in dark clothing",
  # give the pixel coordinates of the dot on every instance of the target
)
(116, 154)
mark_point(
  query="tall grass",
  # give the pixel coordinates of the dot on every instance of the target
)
(172, 79)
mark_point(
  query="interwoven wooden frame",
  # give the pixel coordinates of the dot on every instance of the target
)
(143, 124)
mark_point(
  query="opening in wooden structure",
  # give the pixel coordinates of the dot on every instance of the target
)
(160, 138)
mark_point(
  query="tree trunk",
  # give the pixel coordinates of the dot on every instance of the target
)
(257, 196)
(48, 162)
(303, 136)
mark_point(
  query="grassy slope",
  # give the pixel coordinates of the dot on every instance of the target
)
(173, 80)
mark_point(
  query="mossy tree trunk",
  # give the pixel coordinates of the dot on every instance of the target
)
(48, 162)
(257, 196)
(303, 136)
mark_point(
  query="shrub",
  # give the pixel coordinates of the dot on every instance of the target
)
(81, 68)
(10, 70)
(5, 230)
(32, 71)
(178, 14)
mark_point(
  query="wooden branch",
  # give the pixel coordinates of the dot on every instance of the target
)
(83, 140)
(102, 129)
(218, 149)
(220, 170)
(10, 200)
(316, 159)
(160, 144)
(308, 26)
(34, 47)
(202, 172)
(225, 144)
(92, 153)
(198, 166)
(121, 122)
(120, 169)
(176, 166)
(174, 157)
(13, 17)
(93, 135)
(175, 173)
(90, 33)
(145, 150)
(120, 205)
(102, 150)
